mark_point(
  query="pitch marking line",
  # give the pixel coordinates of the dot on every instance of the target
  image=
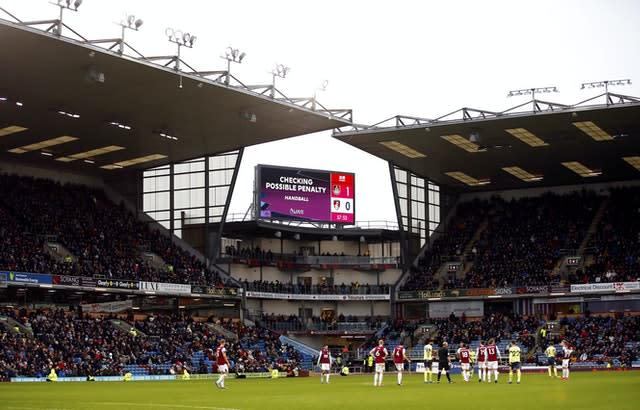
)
(173, 406)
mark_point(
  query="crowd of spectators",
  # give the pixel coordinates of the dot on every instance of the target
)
(252, 253)
(84, 346)
(499, 326)
(256, 255)
(104, 239)
(524, 238)
(603, 338)
(615, 246)
(448, 245)
(353, 288)
(520, 244)
(324, 322)
(596, 339)
(72, 346)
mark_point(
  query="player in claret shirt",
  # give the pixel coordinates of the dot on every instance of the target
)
(464, 356)
(223, 363)
(567, 350)
(493, 356)
(481, 357)
(399, 357)
(324, 362)
(379, 354)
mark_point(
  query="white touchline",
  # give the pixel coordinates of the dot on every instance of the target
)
(173, 406)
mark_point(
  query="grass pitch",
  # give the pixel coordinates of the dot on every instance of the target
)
(585, 390)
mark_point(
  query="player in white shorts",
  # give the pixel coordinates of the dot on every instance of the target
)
(464, 356)
(493, 357)
(324, 362)
(481, 357)
(566, 357)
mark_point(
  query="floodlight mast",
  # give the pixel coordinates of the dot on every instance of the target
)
(61, 4)
(606, 84)
(281, 71)
(532, 92)
(232, 55)
(130, 22)
(322, 87)
(182, 40)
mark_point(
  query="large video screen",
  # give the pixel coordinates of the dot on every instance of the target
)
(305, 194)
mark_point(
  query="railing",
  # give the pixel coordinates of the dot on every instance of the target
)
(301, 347)
(276, 259)
(375, 224)
(348, 260)
(229, 335)
(296, 326)
(290, 288)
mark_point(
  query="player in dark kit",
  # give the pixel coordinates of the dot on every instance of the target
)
(443, 361)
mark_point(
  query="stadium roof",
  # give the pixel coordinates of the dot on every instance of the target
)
(71, 105)
(551, 144)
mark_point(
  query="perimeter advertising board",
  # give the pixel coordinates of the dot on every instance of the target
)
(305, 194)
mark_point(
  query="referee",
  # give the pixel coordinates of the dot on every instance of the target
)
(443, 361)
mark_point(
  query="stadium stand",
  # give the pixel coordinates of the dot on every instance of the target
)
(94, 346)
(613, 250)
(105, 240)
(519, 243)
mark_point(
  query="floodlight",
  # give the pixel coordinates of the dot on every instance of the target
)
(532, 91)
(232, 55)
(131, 23)
(280, 70)
(605, 84)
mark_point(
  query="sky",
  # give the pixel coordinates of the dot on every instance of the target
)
(381, 59)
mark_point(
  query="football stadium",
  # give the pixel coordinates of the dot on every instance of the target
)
(509, 276)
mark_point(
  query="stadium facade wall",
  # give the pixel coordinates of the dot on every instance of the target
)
(293, 247)
(346, 276)
(536, 192)
(285, 307)
(9, 168)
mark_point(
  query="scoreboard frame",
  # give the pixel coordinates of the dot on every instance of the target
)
(303, 194)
